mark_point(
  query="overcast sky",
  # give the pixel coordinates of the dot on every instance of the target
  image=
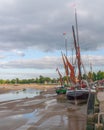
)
(31, 35)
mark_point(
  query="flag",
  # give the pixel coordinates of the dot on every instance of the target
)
(64, 33)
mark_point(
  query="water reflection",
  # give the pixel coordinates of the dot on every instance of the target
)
(25, 93)
(77, 116)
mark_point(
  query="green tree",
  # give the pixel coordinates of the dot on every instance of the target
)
(2, 81)
(41, 79)
(99, 75)
(94, 76)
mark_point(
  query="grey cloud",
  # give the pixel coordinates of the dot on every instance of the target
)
(40, 24)
(19, 53)
(42, 63)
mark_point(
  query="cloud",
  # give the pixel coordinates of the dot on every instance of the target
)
(21, 75)
(42, 63)
(2, 56)
(94, 60)
(39, 25)
(19, 53)
(45, 66)
(29, 26)
(50, 62)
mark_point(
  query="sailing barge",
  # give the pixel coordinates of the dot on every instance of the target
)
(81, 90)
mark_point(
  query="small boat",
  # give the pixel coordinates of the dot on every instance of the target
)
(61, 90)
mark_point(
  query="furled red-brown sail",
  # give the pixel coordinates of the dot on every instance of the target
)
(66, 68)
(72, 73)
(61, 80)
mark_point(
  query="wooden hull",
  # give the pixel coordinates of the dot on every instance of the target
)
(77, 95)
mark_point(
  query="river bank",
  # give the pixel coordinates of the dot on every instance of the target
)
(8, 87)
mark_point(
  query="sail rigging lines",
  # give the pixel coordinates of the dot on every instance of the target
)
(60, 76)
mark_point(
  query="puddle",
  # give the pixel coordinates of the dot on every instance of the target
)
(11, 101)
(6, 123)
(26, 116)
(31, 115)
(26, 93)
(50, 95)
(32, 118)
(55, 122)
(50, 103)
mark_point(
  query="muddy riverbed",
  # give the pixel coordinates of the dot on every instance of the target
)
(43, 112)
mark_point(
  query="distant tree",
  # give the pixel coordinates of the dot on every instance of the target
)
(13, 81)
(17, 80)
(41, 79)
(84, 76)
(89, 75)
(53, 80)
(2, 81)
(94, 77)
(36, 80)
(7, 81)
(47, 79)
(98, 75)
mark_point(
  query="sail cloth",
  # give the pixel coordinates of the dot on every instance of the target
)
(61, 80)
(65, 66)
(72, 73)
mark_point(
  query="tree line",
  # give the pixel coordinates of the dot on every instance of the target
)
(95, 76)
(40, 80)
(47, 80)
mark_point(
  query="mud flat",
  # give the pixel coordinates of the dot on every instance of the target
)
(46, 111)
(8, 87)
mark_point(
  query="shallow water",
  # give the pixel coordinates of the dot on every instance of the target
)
(13, 95)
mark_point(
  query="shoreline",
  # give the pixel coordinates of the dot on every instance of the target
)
(8, 87)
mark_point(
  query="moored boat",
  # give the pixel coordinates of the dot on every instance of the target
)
(79, 95)
(82, 90)
(61, 90)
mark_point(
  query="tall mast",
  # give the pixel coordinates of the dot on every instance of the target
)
(78, 48)
(66, 45)
(65, 42)
(76, 23)
(75, 42)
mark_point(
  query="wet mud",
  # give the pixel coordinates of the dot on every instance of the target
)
(44, 112)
